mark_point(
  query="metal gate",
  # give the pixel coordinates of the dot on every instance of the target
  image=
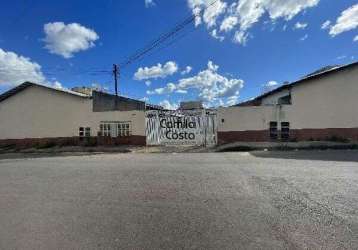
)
(181, 127)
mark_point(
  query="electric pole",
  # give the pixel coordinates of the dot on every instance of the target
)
(116, 73)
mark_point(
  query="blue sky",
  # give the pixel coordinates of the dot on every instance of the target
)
(235, 49)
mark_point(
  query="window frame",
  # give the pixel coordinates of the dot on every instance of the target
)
(119, 129)
(285, 130)
(273, 130)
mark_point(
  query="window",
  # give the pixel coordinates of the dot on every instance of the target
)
(116, 129)
(273, 131)
(285, 100)
(81, 132)
(285, 130)
(105, 129)
(124, 129)
(88, 132)
(84, 132)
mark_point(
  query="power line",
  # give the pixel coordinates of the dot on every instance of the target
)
(139, 54)
(162, 38)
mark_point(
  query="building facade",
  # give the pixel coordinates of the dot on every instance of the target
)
(31, 111)
(322, 106)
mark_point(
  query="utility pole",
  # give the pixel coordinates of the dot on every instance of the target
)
(116, 74)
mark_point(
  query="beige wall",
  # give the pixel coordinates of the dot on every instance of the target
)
(273, 99)
(37, 112)
(244, 118)
(329, 102)
(326, 102)
(137, 119)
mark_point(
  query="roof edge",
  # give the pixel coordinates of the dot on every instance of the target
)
(25, 85)
(256, 100)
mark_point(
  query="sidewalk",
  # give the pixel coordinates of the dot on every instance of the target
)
(285, 146)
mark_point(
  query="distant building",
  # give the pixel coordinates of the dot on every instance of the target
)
(321, 106)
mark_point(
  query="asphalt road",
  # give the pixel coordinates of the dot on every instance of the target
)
(293, 200)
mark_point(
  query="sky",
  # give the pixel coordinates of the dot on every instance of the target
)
(234, 50)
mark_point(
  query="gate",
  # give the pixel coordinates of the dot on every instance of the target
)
(181, 127)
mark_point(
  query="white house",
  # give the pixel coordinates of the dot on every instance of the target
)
(323, 105)
(31, 111)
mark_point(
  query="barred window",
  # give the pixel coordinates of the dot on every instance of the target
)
(124, 129)
(88, 132)
(105, 129)
(116, 129)
(273, 131)
(285, 130)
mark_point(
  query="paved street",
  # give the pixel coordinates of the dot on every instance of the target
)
(264, 200)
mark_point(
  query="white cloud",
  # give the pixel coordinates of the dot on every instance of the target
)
(210, 11)
(168, 105)
(348, 20)
(326, 25)
(229, 23)
(158, 91)
(232, 100)
(243, 14)
(144, 99)
(187, 70)
(287, 9)
(65, 40)
(271, 84)
(170, 88)
(304, 37)
(241, 37)
(214, 34)
(158, 71)
(341, 57)
(57, 85)
(300, 26)
(212, 86)
(148, 83)
(16, 69)
(355, 39)
(181, 91)
(149, 3)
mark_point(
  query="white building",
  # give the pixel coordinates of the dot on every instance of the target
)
(321, 106)
(31, 111)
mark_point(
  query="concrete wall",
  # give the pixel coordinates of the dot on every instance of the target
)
(322, 107)
(245, 118)
(38, 112)
(103, 102)
(273, 99)
(328, 102)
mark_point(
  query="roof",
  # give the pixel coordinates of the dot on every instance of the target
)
(25, 85)
(123, 99)
(315, 75)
